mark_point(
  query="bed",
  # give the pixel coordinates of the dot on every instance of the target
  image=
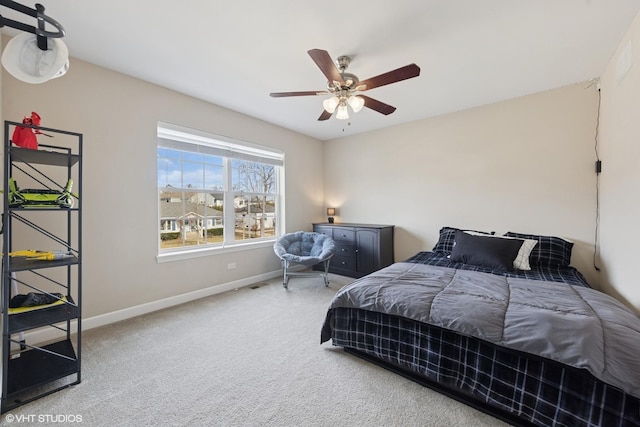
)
(502, 323)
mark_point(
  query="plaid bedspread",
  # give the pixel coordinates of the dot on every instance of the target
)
(536, 390)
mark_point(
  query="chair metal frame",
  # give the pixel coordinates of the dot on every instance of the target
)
(286, 274)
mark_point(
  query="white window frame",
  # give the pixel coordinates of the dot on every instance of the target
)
(187, 139)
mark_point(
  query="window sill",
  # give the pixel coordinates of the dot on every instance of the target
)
(202, 252)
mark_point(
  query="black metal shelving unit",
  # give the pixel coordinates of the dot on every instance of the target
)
(52, 361)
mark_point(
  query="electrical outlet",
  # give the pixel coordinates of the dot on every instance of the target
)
(231, 266)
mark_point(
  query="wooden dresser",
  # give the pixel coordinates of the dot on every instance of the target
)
(360, 248)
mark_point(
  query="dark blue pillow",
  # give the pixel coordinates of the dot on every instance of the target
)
(491, 252)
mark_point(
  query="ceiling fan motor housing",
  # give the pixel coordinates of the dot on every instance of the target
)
(350, 83)
(350, 80)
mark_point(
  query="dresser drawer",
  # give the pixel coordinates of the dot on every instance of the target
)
(344, 235)
(343, 263)
(324, 230)
(343, 249)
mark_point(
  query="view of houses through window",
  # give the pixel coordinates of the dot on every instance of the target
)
(214, 193)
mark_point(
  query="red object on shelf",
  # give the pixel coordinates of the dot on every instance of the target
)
(26, 137)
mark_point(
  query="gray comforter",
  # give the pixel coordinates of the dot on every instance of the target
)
(577, 326)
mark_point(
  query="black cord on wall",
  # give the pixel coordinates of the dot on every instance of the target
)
(598, 170)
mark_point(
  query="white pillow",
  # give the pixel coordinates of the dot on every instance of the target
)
(522, 259)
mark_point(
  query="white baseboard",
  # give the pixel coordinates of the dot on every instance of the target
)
(50, 334)
(129, 312)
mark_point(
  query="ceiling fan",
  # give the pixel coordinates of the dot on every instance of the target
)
(343, 86)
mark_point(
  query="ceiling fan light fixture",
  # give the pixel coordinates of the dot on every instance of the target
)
(342, 86)
(356, 103)
(330, 104)
(343, 113)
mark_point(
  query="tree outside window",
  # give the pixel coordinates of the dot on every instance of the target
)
(254, 187)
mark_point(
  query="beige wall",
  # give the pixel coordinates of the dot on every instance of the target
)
(118, 115)
(524, 165)
(620, 178)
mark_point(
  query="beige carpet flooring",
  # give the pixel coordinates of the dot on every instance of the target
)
(249, 357)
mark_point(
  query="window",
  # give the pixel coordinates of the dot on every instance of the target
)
(215, 192)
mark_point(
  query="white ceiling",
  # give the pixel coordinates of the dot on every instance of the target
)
(234, 53)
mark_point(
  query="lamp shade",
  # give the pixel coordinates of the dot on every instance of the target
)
(25, 61)
(342, 113)
(356, 103)
(331, 211)
(330, 104)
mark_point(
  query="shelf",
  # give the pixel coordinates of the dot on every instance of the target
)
(24, 264)
(41, 369)
(22, 209)
(34, 367)
(43, 157)
(43, 316)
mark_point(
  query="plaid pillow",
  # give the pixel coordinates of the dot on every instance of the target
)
(448, 237)
(550, 251)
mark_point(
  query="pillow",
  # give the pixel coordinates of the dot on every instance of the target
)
(522, 259)
(550, 251)
(485, 251)
(447, 239)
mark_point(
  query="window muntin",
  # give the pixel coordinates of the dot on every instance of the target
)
(203, 182)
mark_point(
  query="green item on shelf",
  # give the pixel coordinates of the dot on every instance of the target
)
(31, 198)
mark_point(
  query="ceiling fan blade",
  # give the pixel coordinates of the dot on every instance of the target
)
(307, 93)
(402, 73)
(378, 106)
(325, 63)
(324, 116)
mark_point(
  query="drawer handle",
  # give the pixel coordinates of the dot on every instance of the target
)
(344, 235)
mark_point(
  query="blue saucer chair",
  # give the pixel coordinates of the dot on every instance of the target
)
(304, 248)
